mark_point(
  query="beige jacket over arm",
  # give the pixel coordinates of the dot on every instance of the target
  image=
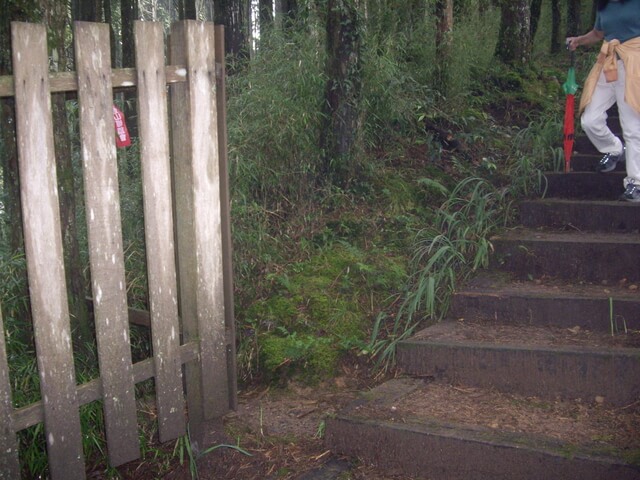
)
(629, 53)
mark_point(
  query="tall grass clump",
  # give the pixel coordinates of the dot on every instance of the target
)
(274, 114)
(474, 39)
(445, 253)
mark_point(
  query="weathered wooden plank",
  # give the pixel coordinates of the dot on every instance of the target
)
(68, 82)
(198, 223)
(158, 220)
(33, 414)
(9, 465)
(106, 257)
(225, 212)
(43, 245)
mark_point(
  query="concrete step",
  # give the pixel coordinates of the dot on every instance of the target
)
(581, 215)
(591, 257)
(547, 362)
(593, 186)
(399, 428)
(495, 298)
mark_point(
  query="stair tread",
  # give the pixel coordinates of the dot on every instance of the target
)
(499, 284)
(570, 201)
(430, 430)
(529, 337)
(590, 426)
(553, 235)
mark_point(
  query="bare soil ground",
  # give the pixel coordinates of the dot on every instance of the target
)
(282, 428)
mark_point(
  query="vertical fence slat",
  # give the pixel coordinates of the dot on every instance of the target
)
(9, 466)
(225, 209)
(156, 180)
(197, 203)
(106, 256)
(43, 246)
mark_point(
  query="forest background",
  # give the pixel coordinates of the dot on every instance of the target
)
(374, 147)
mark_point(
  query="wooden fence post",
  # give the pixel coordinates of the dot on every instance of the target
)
(102, 201)
(198, 223)
(225, 212)
(43, 246)
(156, 183)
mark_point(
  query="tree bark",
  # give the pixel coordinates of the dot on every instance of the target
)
(514, 39)
(556, 20)
(287, 12)
(189, 11)
(87, 10)
(573, 18)
(342, 93)
(233, 15)
(536, 10)
(444, 43)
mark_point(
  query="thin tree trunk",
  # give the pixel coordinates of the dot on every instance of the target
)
(233, 15)
(342, 93)
(108, 18)
(287, 12)
(536, 10)
(573, 18)
(444, 43)
(87, 10)
(189, 11)
(556, 20)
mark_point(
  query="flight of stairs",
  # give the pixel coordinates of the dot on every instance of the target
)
(536, 373)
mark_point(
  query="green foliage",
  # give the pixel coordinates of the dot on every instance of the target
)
(316, 311)
(274, 116)
(445, 253)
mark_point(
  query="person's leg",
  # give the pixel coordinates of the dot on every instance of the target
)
(594, 118)
(630, 122)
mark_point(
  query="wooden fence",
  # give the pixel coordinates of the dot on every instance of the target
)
(184, 175)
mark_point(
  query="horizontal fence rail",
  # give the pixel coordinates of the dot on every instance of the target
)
(187, 237)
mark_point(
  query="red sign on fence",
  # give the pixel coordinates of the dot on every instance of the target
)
(122, 133)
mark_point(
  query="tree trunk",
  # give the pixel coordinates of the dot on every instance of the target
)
(444, 43)
(514, 39)
(536, 9)
(573, 18)
(87, 10)
(287, 12)
(342, 93)
(556, 20)
(108, 18)
(189, 12)
(233, 15)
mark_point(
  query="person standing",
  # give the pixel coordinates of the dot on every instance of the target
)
(615, 78)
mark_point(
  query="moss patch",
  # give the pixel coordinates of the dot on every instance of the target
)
(321, 308)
